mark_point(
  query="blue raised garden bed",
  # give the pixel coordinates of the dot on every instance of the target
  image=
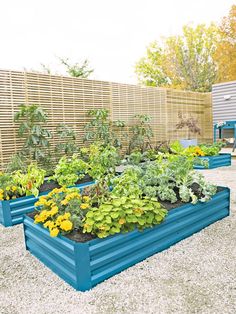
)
(11, 212)
(221, 160)
(83, 265)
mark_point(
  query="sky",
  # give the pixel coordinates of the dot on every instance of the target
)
(111, 34)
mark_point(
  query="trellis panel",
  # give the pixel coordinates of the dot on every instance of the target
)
(67, 100)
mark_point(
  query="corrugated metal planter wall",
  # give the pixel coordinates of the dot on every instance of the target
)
(221, 160)
(12, 212)
(83, 265)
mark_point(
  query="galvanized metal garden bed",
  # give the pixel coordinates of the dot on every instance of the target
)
(83, 265)
(221, 160)
(12, 211)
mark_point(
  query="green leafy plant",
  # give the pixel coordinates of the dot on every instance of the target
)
(101, 129)
(134, 158)
(77, 70)
(31, 119)
(211, 150)
(17, 162)
(141, 134)
(68, 146)
(28, 183)
(169, 178)
(123, 214)
(69, 170)
(102, 161)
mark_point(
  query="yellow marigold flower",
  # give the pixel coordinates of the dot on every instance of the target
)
(8, 188)
(7, 198)
(86, 198)
(64, 202)
(59, 220)
(66, 225)
(54, 232)
(54, 210)
(47, 224)
(37, 219)
(13, 188)
(84, 206)
(121, 221)
(66, 215)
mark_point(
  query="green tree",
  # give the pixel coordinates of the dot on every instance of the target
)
(77, 70)
(184, 61)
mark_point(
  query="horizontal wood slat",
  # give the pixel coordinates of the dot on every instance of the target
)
(67, 100)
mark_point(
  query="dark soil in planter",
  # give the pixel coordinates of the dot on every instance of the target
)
(78, 236)
(50, 185)
(179, 203)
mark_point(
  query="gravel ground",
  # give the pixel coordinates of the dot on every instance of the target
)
(197, 275)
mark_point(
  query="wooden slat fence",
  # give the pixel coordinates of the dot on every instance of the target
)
(67, 100)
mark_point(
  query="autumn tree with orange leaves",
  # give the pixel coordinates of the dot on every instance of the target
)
(225, 55)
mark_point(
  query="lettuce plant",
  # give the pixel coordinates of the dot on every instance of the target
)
(69, 170)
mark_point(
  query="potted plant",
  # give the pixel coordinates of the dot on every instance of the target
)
(192, 126)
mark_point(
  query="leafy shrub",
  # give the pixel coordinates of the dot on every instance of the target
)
(69, 146)
(31, 119)
(141, 134)
(69, 170)
(123, 214)
(101, 129)
(102, 161)
(190, 122)
(62, 210)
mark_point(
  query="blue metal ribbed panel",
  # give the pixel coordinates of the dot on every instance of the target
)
(56, 253)
(221, 160)
(100, 259)
(11, 212)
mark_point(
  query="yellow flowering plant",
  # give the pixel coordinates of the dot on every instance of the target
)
(8, 189)
(62, 210)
